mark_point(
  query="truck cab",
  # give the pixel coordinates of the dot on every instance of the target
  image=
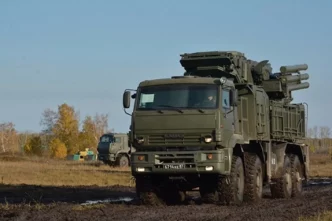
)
(113, 149)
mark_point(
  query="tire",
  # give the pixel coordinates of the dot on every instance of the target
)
(230, 188)
(297, 175)
(147, 192)
(208, 188)
(208, 196)
(283, 186)
(172, 195)
(122, 161)
(253, 178)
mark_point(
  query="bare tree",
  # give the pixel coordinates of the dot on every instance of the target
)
(310, 133)
(7, 134)
(324, 135)
(49, 118)
(315, 132)
(324, 132)
(101, 125)
(23, 138)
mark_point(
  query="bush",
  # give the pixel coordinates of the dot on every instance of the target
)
(58, 149)
(33, 146)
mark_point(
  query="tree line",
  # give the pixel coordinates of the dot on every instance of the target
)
(319, 139)
(61, 134)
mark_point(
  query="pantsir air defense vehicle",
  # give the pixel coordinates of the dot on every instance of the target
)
(227, 126)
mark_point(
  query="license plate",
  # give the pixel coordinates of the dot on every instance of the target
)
(174, 166)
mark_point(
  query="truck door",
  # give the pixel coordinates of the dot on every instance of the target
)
(116, 144)
(228, 115)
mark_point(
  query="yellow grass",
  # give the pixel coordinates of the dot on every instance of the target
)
(42, 171)
(326, 216)
(61, 172)
(320, 165)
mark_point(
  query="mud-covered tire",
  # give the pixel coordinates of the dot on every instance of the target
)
(230, 188)
(146, 192)
(297, 175)
(283, 186)
(173, 196)
(208, 189)
(207, 196)
(253, 189)
(122, 161)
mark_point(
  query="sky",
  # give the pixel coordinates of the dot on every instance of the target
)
(86, 53)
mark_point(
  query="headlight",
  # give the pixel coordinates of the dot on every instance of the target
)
(208, 139)
(140, 140)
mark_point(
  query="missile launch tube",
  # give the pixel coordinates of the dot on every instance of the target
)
(298, 86)
(293, 68)
(294, 78)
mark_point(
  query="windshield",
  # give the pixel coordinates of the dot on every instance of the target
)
(107, 139)
(202, 96)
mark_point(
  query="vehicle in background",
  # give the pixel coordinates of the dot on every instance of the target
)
(83, 155)
(114, 149)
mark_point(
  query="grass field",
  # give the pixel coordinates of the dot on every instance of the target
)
(326, 216)
(38, 171)
(320, 165)
(41, 171)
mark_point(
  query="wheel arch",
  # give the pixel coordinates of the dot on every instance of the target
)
(256, 148)
(236, 142)
(297, 150)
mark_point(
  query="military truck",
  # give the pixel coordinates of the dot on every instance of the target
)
(227, 127)
(114, 149)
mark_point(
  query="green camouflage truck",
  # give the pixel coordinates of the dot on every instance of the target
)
(227, 127)
(114, 149)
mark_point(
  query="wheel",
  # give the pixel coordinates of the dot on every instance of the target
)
(207, 188)
(147, 192)
(208, 193)
(231, 188)
(253, 178)
(297, 175)
(172, 195)
(283, 186)
(123, 161)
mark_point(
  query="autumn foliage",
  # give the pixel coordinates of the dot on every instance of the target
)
(66, 128)
(33, 146)
(62, 134)
(58, 148)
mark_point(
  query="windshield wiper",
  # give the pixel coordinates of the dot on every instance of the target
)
(158, 110)
(199, 109)
(175, 108)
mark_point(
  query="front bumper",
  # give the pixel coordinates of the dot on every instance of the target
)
(106, 157)
(181, 162)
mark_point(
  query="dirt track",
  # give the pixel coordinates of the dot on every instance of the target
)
(64, 204)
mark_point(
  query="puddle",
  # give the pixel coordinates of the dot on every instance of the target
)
(320, 183)
(110, 200)
(324, 181)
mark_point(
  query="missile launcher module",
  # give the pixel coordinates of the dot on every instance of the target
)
(226, 126)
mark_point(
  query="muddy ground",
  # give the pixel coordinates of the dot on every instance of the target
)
(68, 203)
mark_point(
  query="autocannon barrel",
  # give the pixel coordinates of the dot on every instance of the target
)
(298, 86)
(295, 78)
(293, 68)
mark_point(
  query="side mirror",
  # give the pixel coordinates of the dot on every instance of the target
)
(234, 97)
(126, 99)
